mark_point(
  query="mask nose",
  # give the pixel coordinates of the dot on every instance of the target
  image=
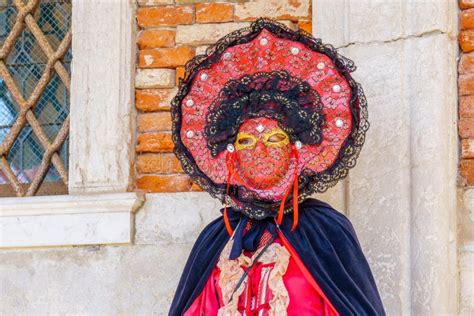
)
(260, 149)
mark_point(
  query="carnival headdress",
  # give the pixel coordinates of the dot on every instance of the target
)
(269, 71)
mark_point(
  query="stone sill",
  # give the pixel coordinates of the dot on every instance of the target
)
(66, 220)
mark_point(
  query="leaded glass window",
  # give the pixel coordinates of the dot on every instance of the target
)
(35, 58)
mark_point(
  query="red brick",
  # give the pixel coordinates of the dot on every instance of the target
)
(466, 127)
(466, 64)
(466, 19)
(466, 84)
(467, 148)
(155, 143)
(164, 183)
(164, 16)
(165, 57)
(156, 38)
(154, 122)
(214, 12)
(158, 163)
(466, 106)
(467, 170)
(466, 4)
(306, 26)
(179, 74)
(149, 100)
(466, 40)
(196, 187)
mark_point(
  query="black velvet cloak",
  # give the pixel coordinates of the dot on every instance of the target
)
(324, 240)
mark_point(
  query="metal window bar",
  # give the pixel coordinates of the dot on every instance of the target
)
(35, 56)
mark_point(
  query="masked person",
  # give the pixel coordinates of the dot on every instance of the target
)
(266, 118)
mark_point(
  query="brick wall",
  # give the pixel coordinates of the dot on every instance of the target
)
(466, 90)
(170, 33)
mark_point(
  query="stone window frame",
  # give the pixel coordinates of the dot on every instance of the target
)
(98, 208)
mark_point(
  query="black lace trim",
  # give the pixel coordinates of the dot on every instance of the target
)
(276, 95)
(309, 181)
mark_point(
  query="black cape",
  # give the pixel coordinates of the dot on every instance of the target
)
(324, 240)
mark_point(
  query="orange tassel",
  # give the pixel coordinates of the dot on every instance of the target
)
(230, 166)
(295, 194)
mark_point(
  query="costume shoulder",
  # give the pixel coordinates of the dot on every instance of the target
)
(327, 244)
(199, 266)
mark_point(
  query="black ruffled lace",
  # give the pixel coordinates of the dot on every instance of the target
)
(275, 95)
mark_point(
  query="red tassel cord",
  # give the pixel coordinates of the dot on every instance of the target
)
(279, 220)
(230, 158)
(295, 192)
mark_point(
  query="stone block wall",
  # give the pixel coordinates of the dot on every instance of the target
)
(170, 33)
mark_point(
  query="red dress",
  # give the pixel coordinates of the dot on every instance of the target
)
(277, 284)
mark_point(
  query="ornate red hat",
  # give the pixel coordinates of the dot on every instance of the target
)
(268, 82)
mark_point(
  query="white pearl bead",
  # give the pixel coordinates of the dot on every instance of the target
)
(230, 148)
(189, 102)
(263, 41)
(336, 88)
(320, 66)
(189, 134)
(295, 50)
(227, 55)
(298, 144)
(204, 77)
(339, 122)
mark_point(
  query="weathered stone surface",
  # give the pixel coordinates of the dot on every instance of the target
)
(103, 63)
(466, 265)
(201, 49)
(209, 33)
(402, 199)
(174, 218)
(276, 9)
(466, 218)
(155, 78)
(201, 34)
(154, 2)
(99, 280)
(341, 23)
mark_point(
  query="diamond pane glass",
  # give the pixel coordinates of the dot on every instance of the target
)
(24, 62)
(53, 107)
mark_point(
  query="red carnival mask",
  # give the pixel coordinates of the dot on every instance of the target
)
(263, 153)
